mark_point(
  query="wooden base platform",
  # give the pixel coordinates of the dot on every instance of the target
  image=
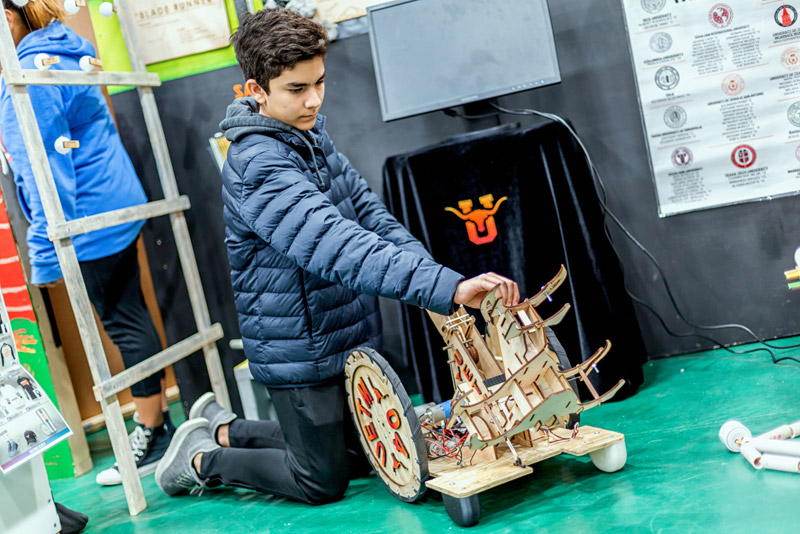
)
(448, 478)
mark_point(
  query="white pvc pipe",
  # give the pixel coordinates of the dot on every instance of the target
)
(733, 433)
(783, 432)
(776, 462)
(777, 446)
(752, 455)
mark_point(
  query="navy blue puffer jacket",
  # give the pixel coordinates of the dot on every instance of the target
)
(310, 246)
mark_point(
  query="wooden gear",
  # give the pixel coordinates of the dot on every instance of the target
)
(388, 427)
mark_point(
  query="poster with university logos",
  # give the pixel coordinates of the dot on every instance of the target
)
(719, 90)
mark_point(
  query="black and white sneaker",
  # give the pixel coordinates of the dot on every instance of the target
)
(148, 446)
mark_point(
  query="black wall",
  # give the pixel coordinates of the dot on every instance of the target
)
(724, 265)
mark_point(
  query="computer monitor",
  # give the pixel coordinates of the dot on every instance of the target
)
(436, 54)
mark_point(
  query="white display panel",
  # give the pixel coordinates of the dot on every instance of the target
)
(29, 422)
(719, 91)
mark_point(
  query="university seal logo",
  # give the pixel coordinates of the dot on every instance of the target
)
(675, 116)
(720, 15)
(660, 42)
(653, 6)
(793, 114)
(667, 78)
(790, 58)
(481, 226)
(682, 157)
(732, 85)
(743, 156)
(785, 16)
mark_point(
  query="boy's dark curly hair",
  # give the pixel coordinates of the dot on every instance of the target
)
(273, 40)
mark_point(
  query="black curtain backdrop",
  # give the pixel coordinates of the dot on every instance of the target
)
(551, 217)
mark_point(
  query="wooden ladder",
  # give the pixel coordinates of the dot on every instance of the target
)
(61, 232)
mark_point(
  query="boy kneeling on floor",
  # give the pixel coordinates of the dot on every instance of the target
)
(310, 248)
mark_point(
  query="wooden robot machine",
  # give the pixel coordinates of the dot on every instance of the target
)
(513, 406)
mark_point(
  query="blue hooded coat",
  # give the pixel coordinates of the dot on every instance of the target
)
(310, 246)
(92, 179)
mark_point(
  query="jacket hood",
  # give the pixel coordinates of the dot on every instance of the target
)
(243, 118)
(55, 40)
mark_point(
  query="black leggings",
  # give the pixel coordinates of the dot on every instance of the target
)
(309, 454)
(113, 286)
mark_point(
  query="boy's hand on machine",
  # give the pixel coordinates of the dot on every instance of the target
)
(471, 292)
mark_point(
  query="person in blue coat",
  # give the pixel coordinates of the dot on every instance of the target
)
(92, 179)
(310, 249)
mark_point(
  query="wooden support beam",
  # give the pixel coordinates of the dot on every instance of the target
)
(79, 77)
(121, 216)
(158, 361)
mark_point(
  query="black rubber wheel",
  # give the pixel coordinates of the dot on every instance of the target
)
(465, 511)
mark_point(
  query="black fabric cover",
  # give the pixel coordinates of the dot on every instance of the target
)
(72, 522)
(551, 217)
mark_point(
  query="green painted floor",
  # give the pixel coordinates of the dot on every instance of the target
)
(679, 477)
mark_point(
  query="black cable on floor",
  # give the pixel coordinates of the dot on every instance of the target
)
(601, 194)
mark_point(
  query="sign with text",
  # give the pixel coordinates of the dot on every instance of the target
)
(719, 90)
(29, 422)
(169, 29)
(340, 10)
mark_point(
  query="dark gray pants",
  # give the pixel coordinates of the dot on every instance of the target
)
(113, 287)
(308, 455)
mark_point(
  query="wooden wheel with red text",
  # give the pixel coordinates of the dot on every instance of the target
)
(387, 425)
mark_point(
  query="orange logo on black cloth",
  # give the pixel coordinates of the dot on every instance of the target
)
(481, 227)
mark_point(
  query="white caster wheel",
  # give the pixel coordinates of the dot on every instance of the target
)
(611, 458)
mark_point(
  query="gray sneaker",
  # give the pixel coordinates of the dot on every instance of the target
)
(175, 473)
(207, 406)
